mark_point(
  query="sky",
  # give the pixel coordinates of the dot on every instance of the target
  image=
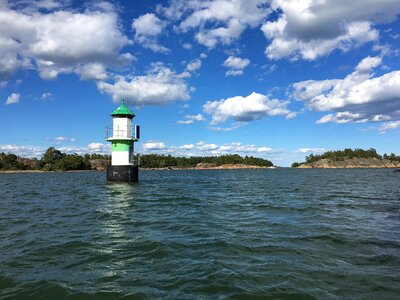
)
(278, 79)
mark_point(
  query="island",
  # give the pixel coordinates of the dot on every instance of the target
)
(55, 160)
(349, 158)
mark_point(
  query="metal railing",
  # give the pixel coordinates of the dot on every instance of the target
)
(117, 133)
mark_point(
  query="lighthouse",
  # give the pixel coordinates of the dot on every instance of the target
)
(123, 166)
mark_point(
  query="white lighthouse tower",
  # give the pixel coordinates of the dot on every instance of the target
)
(122, 166)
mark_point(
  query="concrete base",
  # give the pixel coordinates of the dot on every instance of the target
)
(123, 173)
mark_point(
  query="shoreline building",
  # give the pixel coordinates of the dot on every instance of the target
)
(123, 166)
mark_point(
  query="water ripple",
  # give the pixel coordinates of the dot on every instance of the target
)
(243, 234)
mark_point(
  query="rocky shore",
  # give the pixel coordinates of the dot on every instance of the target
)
(202, 166)
(349, 163)
(209, 166)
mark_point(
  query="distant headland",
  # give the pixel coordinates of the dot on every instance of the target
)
(349, 158)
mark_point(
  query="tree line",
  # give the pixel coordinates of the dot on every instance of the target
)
(55, 160)
(162, 161)
(52, 160)
(348, 153)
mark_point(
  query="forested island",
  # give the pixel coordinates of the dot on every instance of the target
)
(55, 160)
(349, 158)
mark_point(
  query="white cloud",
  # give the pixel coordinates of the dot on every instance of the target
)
(235, 65)
(46, 96)
(244, 109)
(194, 65)
(311, 150)
(23, 151)
(236, 62)
(202, 148)
(61, 139)
(92, 71)
(190, 119)
(147, 29)
(58, 41)
(32, 151)
(359, 97)
(185, 122)
(99, 148)
(198, 117)
(313, 28)
(385, 127)
(28, 6)
(149, 146)
(13, 99)
(234, 73)
(187, 46)
(218, 21)
(234, 126)
(159, 86)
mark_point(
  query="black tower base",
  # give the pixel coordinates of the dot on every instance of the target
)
(123, 173)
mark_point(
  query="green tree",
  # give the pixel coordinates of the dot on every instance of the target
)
(50, 158)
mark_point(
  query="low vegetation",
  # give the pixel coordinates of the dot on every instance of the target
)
(52, 160)
(342, 155)
(55, 160)
(162, 161)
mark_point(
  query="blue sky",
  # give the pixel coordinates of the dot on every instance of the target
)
(278, 79)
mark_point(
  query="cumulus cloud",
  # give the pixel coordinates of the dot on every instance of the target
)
(187, 46)
(92, 71)
(23, 151)
(34, 151)
(194, 65)
(218, 21)
(243, 109)
(61, 139)
(147, 28)
(311, 150)
(149, 146)
(159, 86)
(13, 99)
(359, 97)
(59, 41)
(310, 29)
(99, 148)
(202, 148)
(235, 65)
(236, 62)
(190, 119)
(385, 127)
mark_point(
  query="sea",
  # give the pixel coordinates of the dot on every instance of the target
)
(201, 234)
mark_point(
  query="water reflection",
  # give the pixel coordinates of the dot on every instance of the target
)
(117, 222)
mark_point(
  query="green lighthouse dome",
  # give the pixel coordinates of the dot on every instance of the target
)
(123, 111)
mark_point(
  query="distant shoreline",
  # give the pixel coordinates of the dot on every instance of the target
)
(222, 167)
(41, 171)
(194, 169)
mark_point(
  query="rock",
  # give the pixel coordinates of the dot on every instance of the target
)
(354, 162)
(205, 165)
(29, 163)
(99, 164)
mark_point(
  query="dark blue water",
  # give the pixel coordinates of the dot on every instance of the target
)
(241, 234)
